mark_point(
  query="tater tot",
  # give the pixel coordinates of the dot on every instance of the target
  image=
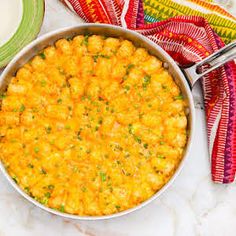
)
(92, 126)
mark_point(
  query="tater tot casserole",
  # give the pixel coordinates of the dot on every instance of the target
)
(92, 126)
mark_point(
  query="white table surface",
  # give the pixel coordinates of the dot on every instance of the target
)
(193, 205)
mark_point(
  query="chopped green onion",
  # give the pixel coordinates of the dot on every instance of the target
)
(127, 87)
(22, 108)
(125, 77)
(61, 208)
(15, 179)
(103, 176)
(3, 96)
(88, 151)
(69, 39)
(105, 56)
(161, 156)
(95, 58)
(146, 81)
(36, 149)
(51, 187)
(100, 121)
(179, 97)
(43, 171)
(83, 189)
(31, 166)
(43, 83)
(85, 40)
(129, 67)
(48, 129)
(137, 139)
(78, 135)
(59, 101)
(47, 194)
(42, 55)
(67, 127)
(140, 115)
(130, 127)
(27, 189)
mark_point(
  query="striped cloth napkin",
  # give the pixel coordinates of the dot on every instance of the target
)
(188, 37)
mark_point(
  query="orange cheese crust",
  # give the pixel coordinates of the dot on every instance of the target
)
(92, 126)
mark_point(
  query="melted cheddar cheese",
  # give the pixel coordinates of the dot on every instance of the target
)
(92, 126)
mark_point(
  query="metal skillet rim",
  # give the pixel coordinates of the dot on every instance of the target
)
(187, 149)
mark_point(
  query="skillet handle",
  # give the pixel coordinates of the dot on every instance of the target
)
(215, 60)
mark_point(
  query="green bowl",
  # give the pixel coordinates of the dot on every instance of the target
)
(28, 29)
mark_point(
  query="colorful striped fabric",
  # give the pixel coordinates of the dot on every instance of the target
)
(187, 37)
(221, 21)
